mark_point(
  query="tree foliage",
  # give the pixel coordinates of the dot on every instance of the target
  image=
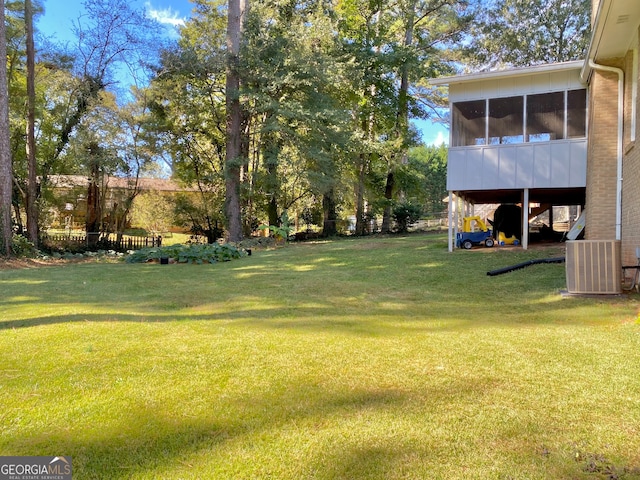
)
(423, 178)
(154, 212)
(517, 33)
(298, 107)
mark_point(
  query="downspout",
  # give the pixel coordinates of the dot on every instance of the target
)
(620, 74)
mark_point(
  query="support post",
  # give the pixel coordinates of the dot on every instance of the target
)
(456, 216)
(525, 219)
(450, 221)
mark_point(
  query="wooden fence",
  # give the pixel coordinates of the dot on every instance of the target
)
(104, 242)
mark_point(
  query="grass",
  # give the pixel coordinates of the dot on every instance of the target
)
(378, 358)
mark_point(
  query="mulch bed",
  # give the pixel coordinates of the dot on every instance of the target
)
(18, 263)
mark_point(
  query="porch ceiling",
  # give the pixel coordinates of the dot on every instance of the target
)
(564, 196)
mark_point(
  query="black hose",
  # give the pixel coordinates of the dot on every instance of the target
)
(500, 271)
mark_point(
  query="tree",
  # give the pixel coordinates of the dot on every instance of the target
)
(364, 32)
(5, 145)
(237, 11)
(512, 33)
(110, 34)
(393, 46)
(135, 150)
(423, 178)
(298, 124)
(189, 121)
(32, 187)
(425, 32)
(153, 211)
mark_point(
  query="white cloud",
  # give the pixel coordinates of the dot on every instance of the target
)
(440, 139)
(165, 16)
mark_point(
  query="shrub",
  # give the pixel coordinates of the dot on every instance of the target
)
(194, 253)
(405, 214)
(21, 247)
(279, 233)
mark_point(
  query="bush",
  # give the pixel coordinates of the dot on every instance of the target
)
(406, 214)
(194, 253)
(21, 247)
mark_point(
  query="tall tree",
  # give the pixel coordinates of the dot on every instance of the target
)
(32, 187)
(235, 119)
(189, 111)
(425, 32)
(111, 34)
(5, 145)
(364, 32)
(516, 33)
(392, 45)
(298, 123)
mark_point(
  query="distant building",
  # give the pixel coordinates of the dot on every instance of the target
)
(69, 196)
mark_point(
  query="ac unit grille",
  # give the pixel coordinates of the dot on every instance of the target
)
(593, 267)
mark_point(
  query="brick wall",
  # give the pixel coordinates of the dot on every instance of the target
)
(631, 173)
(601, 162)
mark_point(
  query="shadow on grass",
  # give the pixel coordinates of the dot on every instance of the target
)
(143, 442)
(301, 431)
(369, 319)
(140, 442)
(371, 287)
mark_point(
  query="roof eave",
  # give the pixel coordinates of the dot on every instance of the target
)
(596, 36)
(511, 73)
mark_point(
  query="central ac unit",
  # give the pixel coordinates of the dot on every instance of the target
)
(594, 267)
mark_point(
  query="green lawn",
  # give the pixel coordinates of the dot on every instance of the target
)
(381, 358)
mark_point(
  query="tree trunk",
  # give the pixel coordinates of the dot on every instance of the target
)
(92, 220)
(362, 173)
(271, 154)
(32, 182)
(402, 120)
(6, 177)
(233, 161)
(388, 195)
(329, 227)
(272, 211)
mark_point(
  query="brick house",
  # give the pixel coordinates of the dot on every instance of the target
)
(69, 196)
(613, 170)
(560, 134)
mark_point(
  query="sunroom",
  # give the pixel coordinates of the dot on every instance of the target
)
(517, 137)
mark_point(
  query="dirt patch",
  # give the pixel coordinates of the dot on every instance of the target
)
(18, 263)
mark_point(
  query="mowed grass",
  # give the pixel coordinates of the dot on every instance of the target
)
(377, 358)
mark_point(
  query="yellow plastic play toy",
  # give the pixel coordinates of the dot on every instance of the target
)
(468, 224)
(474, 232)
(503, 240)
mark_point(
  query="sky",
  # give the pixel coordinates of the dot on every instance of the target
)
(59, 16)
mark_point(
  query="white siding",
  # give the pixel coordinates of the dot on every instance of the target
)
(557, 164)
(519, 85)
(542, 165)
(525, 164)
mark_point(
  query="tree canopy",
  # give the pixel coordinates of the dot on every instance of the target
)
(288, 109)
(516, 33)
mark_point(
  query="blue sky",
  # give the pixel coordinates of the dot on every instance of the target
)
(60, 15)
